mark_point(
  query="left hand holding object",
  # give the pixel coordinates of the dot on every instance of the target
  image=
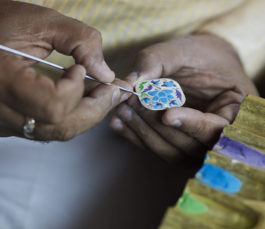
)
(213, 80)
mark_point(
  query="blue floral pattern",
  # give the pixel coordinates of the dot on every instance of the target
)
(160, 94)
(168, 84)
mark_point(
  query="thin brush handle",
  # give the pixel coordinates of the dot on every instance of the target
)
(19, 53)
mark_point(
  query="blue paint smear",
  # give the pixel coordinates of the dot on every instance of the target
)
(145, 100)
(169, 84)
(218, 178)
(163, 100)
(178, 94)
(240, 152)
(156, 82)
(155, 98)
(167, 91)
(152, 93)
(161, 94)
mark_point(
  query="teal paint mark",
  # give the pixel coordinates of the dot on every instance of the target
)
(207, 157)
(218, 178)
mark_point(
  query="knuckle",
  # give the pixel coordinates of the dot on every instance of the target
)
(54, 111)
(146, 54)
(80, 69)
(17, 87)
(49, 12)
(95, 34)
(99, 114)
(45, 12)
(89, 61)
(13, 89)
(95, 117)
(65, 133)
(89, 49)
(14, 86)
(58, 132)
(201, 128)
(233, 97)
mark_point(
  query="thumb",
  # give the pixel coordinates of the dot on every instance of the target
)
(159, 60)
(146, 67)
(84, 43)
(106, 97)
(205, 127)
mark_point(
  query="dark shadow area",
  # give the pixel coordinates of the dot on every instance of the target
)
(260, 83)
(121, 59)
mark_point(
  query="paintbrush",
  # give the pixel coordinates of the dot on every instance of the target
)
(19, 53)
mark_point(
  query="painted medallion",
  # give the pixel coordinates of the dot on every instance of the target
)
(160, 94)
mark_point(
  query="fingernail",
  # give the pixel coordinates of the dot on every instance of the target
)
(132, 77)
(116, 96)
(126, 113)
(176, 123)
(134, 73)
(116, 124)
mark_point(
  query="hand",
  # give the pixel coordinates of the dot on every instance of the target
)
(60, 110)
(213, 80)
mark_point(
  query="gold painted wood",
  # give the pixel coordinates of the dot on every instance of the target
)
(243, 210)
(224, 211)
(251, 115)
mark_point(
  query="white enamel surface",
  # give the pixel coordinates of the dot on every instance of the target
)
(149, 94)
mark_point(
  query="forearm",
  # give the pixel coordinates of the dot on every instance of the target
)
(244, 28)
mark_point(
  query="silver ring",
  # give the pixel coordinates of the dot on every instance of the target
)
(29, 127)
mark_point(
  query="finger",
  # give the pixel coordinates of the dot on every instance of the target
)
(124, 95)
(148, 65)
(226, 105)
(101, 94)
(150, 138)
(11, 119)
(90, 111)
(11, 123)
(176, 137)
(84, 43)
(162, 59)
(39, 97)
(132, 78)
(70, 88)
(204, 85)
(89, 86)
(205, 127)
(228, 112)
(120, 127)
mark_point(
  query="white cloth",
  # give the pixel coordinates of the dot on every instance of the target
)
(98, 180)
